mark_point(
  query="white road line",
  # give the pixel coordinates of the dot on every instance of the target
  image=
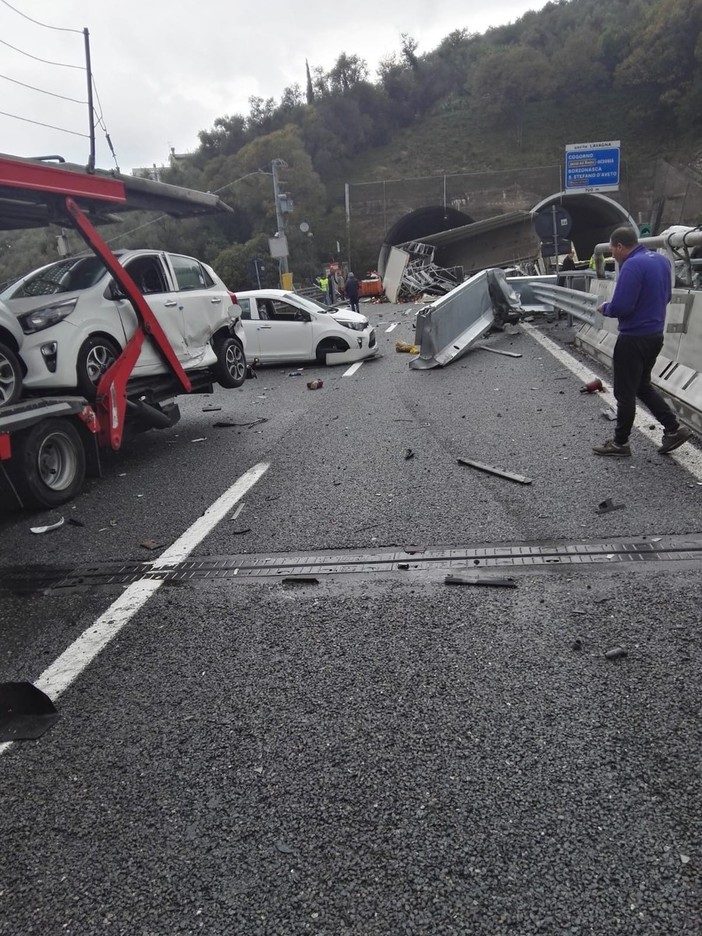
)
(392, 327)
(63, 671)
(688, 456)
(352, 370)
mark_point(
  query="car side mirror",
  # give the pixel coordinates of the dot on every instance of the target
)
(115, 291)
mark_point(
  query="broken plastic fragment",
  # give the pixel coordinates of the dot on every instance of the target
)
(49, 527)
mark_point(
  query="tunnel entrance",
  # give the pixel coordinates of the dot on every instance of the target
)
(593, 217)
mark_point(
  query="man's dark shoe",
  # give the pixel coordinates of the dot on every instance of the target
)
(610, 447)
(673, 440)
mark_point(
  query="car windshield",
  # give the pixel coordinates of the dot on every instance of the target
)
(304, 302)
(61, 277)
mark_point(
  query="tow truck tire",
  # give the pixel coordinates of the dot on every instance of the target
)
(230, 368)
(329, 346)
(10, 376)
(95, 356)
(48, 465)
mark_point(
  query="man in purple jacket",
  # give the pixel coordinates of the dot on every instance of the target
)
(639, 303)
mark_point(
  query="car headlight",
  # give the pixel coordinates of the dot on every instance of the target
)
(354, 326)
(46, 316)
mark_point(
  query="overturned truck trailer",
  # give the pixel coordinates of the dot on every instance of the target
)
(448, 327)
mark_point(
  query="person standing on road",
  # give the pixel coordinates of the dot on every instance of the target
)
(352, 292)
(340, 282)
(639, 303)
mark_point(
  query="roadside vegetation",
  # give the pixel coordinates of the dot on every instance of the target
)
(577, 70)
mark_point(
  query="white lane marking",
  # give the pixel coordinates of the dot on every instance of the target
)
(352, 370)
(392, 327)
(64, 670)
(688, 456)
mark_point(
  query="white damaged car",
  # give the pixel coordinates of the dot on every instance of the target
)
(282, 326)
(75, 320)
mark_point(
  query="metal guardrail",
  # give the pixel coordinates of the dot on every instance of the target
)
(580, 305)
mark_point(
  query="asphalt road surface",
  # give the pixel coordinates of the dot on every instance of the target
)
(277, 717)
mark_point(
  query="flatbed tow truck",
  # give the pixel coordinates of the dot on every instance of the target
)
(48, 445)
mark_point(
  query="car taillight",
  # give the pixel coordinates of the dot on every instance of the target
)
(232, 296)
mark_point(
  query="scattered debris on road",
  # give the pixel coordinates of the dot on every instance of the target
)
(595, 386)
(315, 384)
(49, 528)
(616, 653)
(490, 469)
(608, 505)
(497, 581)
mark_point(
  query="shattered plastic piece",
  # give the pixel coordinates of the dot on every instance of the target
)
(497, 581)
(577, 644)
(403, 565)
(315, 384)
(408, 454)
(296, 373)
(211, 409)
(243, 530)
(510, 475)
(609, 414)
(616, 653)
(151, 544)
(49, 527)
(201, 439)
(595, 386)
(25, 712)
(607, 506)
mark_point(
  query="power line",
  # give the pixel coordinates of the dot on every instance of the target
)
(36, 59)
(48, 126)
(42, 91)
(45, 25)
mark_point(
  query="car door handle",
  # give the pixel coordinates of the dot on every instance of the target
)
(170, 303)
(265, 326)
(216, 299)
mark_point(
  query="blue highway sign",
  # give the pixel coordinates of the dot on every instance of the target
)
(592, 167)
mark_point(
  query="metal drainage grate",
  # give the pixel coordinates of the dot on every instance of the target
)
(411, 558)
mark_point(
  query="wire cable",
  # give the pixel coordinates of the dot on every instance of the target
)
(37, 59)
(42, 91)
(48, 126)
(45, 25)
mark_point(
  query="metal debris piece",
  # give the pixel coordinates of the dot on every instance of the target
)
(243, 530)
(497, 581)
(484, 347)
(510, 475)
(247, 425)
(609, 413)
(296, 373)
(49, 527)
(200, 439)
(211, 409)
(608, 505)
(616, 653)
(151, 544)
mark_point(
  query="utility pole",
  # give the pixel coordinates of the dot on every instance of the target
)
(280, 221)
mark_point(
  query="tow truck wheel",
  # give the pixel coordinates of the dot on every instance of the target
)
(231, 363)
(10, 376)
(48, 466)
(96, 355)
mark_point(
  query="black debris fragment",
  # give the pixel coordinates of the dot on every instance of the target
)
(25, 712)
(608, 505)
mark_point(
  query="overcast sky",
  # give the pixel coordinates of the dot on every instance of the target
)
(164, 71)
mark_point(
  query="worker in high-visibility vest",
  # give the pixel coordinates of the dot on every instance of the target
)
(323, 283)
